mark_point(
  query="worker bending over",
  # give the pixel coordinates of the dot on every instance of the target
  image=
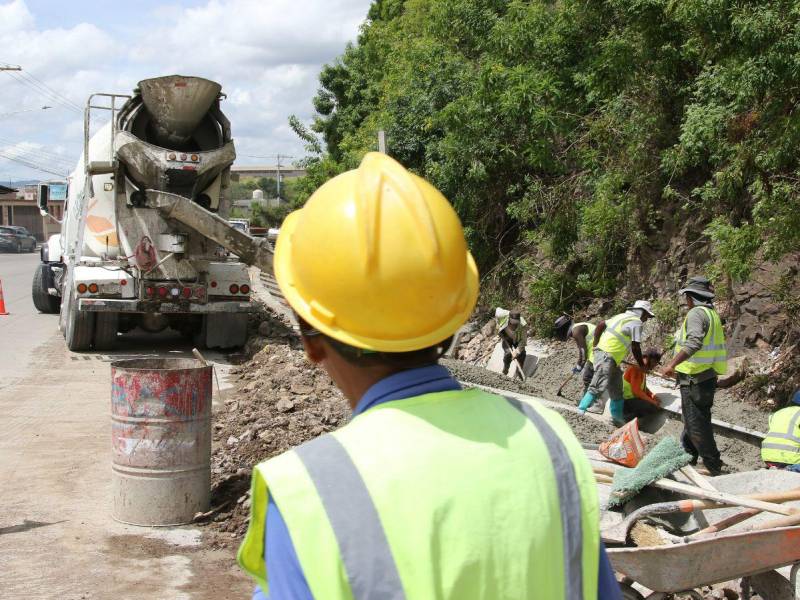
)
(700, 357)
(639, 401)
(781, 448)
(431, 490)
(613, 341)
(512, 331)
(583, 335)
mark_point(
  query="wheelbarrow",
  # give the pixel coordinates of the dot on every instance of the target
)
(679, 569)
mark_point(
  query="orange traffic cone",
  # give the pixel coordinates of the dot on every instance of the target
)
(2, 302)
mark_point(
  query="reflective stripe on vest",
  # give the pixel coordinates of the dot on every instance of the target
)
(613, 341)
(569, 497)
(590, 327)
(782, 444)
(366, 555)
(711, 354)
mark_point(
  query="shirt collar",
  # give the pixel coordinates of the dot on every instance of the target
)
(407, 384)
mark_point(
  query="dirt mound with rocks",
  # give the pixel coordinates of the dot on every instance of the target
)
(279, 400)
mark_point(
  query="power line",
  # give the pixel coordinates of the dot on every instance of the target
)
(55, 92)
(32, 165)
(48, 95)
(54, 155)
(24, 110)
(40, 156)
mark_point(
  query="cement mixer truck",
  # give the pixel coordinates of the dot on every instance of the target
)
(145, 240)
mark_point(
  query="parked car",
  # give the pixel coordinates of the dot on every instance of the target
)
(16, 239)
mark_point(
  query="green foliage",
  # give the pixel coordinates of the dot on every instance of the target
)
(568, 134)
(736, 247)
(268, 216)
(667, 312)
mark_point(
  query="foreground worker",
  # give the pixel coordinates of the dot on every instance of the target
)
(640, 401)
(431, 491)
(781, 448)
(613, 341)
(583, 335)
(513, 337)
(700, 358)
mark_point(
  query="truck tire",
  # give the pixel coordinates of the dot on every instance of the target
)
(80, 328)
(42, 300)
(105, 330)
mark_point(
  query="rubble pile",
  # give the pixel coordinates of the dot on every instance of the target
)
(474, 344)
(279, 401)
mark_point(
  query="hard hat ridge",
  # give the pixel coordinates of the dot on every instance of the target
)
(382, 179)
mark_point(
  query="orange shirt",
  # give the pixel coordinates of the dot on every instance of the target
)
(638, 382)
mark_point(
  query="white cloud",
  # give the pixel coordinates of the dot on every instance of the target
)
(265, 53)
(14, 16)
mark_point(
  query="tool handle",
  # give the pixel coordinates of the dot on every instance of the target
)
(697, 479)
(722, 497)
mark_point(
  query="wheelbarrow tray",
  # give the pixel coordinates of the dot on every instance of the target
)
(680, 567)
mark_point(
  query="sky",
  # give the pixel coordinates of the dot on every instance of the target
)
(266, 54)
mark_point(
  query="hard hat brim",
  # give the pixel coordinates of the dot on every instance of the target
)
(285, 278)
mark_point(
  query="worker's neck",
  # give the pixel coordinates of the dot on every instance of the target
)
(354, 381)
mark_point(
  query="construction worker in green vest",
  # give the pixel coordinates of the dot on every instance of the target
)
(431, 490)
(582, 334)
(614, 339)
(700, 358)
(781, 448)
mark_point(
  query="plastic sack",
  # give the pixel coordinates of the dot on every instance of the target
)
(625, 446)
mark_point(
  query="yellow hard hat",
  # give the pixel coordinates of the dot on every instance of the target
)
(377, 259)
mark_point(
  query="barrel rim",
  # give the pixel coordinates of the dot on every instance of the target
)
(142, 365)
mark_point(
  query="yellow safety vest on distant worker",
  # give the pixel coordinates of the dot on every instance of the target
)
(476, 496)
(712, 354)
(589, 339)
(614, 341)
(782, 444)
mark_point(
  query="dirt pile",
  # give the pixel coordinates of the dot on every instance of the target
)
(279, 401)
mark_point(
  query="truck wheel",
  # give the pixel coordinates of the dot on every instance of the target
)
(80, 328)
(42, 300)
(105, 330)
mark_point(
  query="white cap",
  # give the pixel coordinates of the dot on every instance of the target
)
(645, 306)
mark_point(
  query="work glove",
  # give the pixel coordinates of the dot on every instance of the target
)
(577, 369)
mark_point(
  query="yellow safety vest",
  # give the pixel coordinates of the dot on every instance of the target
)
(452, 495)
(782, 444)
(614, 341)
(589, 339)
(712, 354)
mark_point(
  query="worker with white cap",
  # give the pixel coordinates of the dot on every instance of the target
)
(613, 341)
(431, 490)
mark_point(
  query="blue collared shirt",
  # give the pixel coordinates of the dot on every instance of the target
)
(286, 578)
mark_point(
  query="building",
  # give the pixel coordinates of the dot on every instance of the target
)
(239, 172)
(20, 207)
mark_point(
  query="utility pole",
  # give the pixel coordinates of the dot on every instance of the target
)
(278, 172)
(382, 141)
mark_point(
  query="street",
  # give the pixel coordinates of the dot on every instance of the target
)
(57, 538)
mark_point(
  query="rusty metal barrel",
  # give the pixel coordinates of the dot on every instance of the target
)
(161, 440)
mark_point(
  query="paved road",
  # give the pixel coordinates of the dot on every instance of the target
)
(57, 538)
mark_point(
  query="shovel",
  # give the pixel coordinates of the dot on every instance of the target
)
(563, 385)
